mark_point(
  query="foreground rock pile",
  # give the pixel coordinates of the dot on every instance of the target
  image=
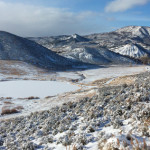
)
(116, 118)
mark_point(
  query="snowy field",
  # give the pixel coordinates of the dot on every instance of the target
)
(79, 121)
(17, 91)
(31, 94)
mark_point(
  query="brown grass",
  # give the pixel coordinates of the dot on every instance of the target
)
(123, 80)
(144, 144)
(29, 98)
(100, 82)
(19, 107)
(8, 98)
(7, 102)
(32, 97)
(49, 97)
(147, 122)
(118, 142)
(73, 147)
(10, 110)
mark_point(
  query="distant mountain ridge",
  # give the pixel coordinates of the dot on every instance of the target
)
(130, 43)
(123, 46)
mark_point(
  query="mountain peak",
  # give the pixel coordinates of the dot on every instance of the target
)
(78, 38)
(75, 36)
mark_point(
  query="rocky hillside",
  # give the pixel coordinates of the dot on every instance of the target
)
(132, 42)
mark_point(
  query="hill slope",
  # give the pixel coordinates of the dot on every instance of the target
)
(131, 50)
(13, 47)
(99, 56)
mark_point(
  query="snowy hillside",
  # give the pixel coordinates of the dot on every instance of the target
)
(111, 112)
(131, 41)
(96, 56)
(13, 47)
(131, 50)
(136, 30)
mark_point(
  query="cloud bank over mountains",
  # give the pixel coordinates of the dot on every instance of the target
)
(38, 19)
(29, 20)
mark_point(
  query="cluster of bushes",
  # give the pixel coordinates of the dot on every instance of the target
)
(145, 60)
(10, 110)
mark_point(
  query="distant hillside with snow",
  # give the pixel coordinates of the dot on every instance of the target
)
(139, 31)
(125, 45)
(99, 56)
(13, 47)
(131, 50)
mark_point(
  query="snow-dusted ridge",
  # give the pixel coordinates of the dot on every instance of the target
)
(131, 41)
(96, 56)
(131, 50)
(140, 31)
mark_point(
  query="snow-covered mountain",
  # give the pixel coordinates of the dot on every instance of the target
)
(13, 47)
(123, 46)
(59, 41)
(131, 41)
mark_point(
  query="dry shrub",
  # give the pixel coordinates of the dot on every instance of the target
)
(137, 142)
(131, 141)
(145, 60)
(147, 122)
(32, 97)
(19, 107)
(74, 148)
(118, 142)
(144, 144)
(8, 98)
(49, 97)
(7, 102)
(10, 110)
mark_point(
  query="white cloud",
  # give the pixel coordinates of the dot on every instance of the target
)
(29, 20)
(123, 5)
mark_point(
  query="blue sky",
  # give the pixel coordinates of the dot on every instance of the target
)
(57, 17)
